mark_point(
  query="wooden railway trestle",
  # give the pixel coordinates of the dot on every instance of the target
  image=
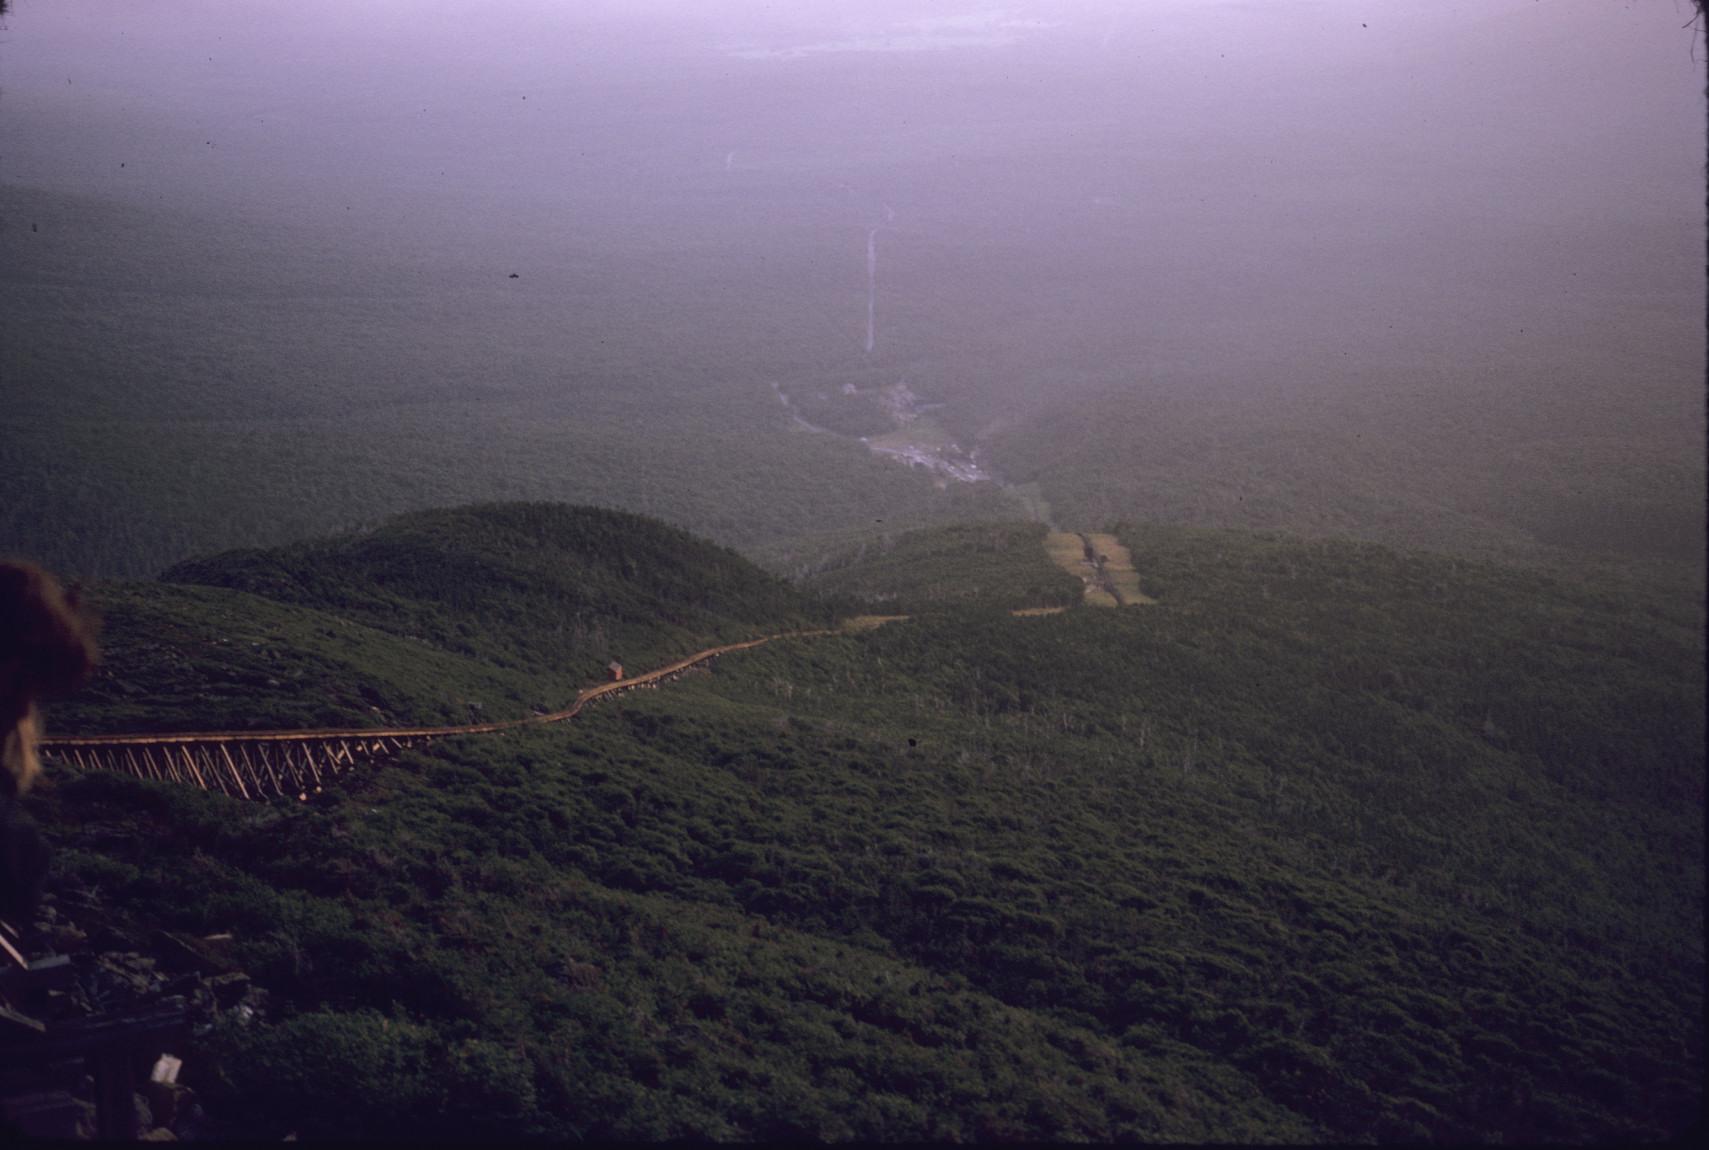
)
(247, 768)
(296, 764)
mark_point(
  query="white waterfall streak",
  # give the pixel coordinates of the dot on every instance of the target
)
(871, 288)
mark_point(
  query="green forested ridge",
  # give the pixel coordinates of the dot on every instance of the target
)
(536, 585)
(1333, 842)
(997, 564)
(186, 658)
(437, 617)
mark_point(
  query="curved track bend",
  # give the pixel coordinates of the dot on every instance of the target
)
(259, 764)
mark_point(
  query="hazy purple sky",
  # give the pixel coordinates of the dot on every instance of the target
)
(1074, 194)
(1556, 109)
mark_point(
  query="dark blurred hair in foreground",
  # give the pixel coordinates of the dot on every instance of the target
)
(47, 647)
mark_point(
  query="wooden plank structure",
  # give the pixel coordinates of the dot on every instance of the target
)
(112, 1046)
(296, 764)
(262, 765)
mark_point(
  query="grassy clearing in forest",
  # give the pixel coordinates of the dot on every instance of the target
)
(1119, 567)
(1068, 551)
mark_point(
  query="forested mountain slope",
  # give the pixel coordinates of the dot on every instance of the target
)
(1332, 842)
(995, 564)
(178, 657)
(541, 585)
(455, 616)
(1546, 468)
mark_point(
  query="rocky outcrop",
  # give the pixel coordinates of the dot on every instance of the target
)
(101, 1024)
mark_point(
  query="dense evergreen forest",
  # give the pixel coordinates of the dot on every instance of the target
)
(426, 368)
(993, 564)
(1333, 842)
(186, 377)
(487, 612)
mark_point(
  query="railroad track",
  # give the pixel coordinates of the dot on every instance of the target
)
(264, 764)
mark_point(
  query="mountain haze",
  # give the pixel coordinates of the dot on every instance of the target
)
(861, 570)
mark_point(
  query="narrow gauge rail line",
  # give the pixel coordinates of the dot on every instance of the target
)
(258, 764)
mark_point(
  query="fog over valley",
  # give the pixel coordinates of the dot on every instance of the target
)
(853, 570)
(392, 254)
